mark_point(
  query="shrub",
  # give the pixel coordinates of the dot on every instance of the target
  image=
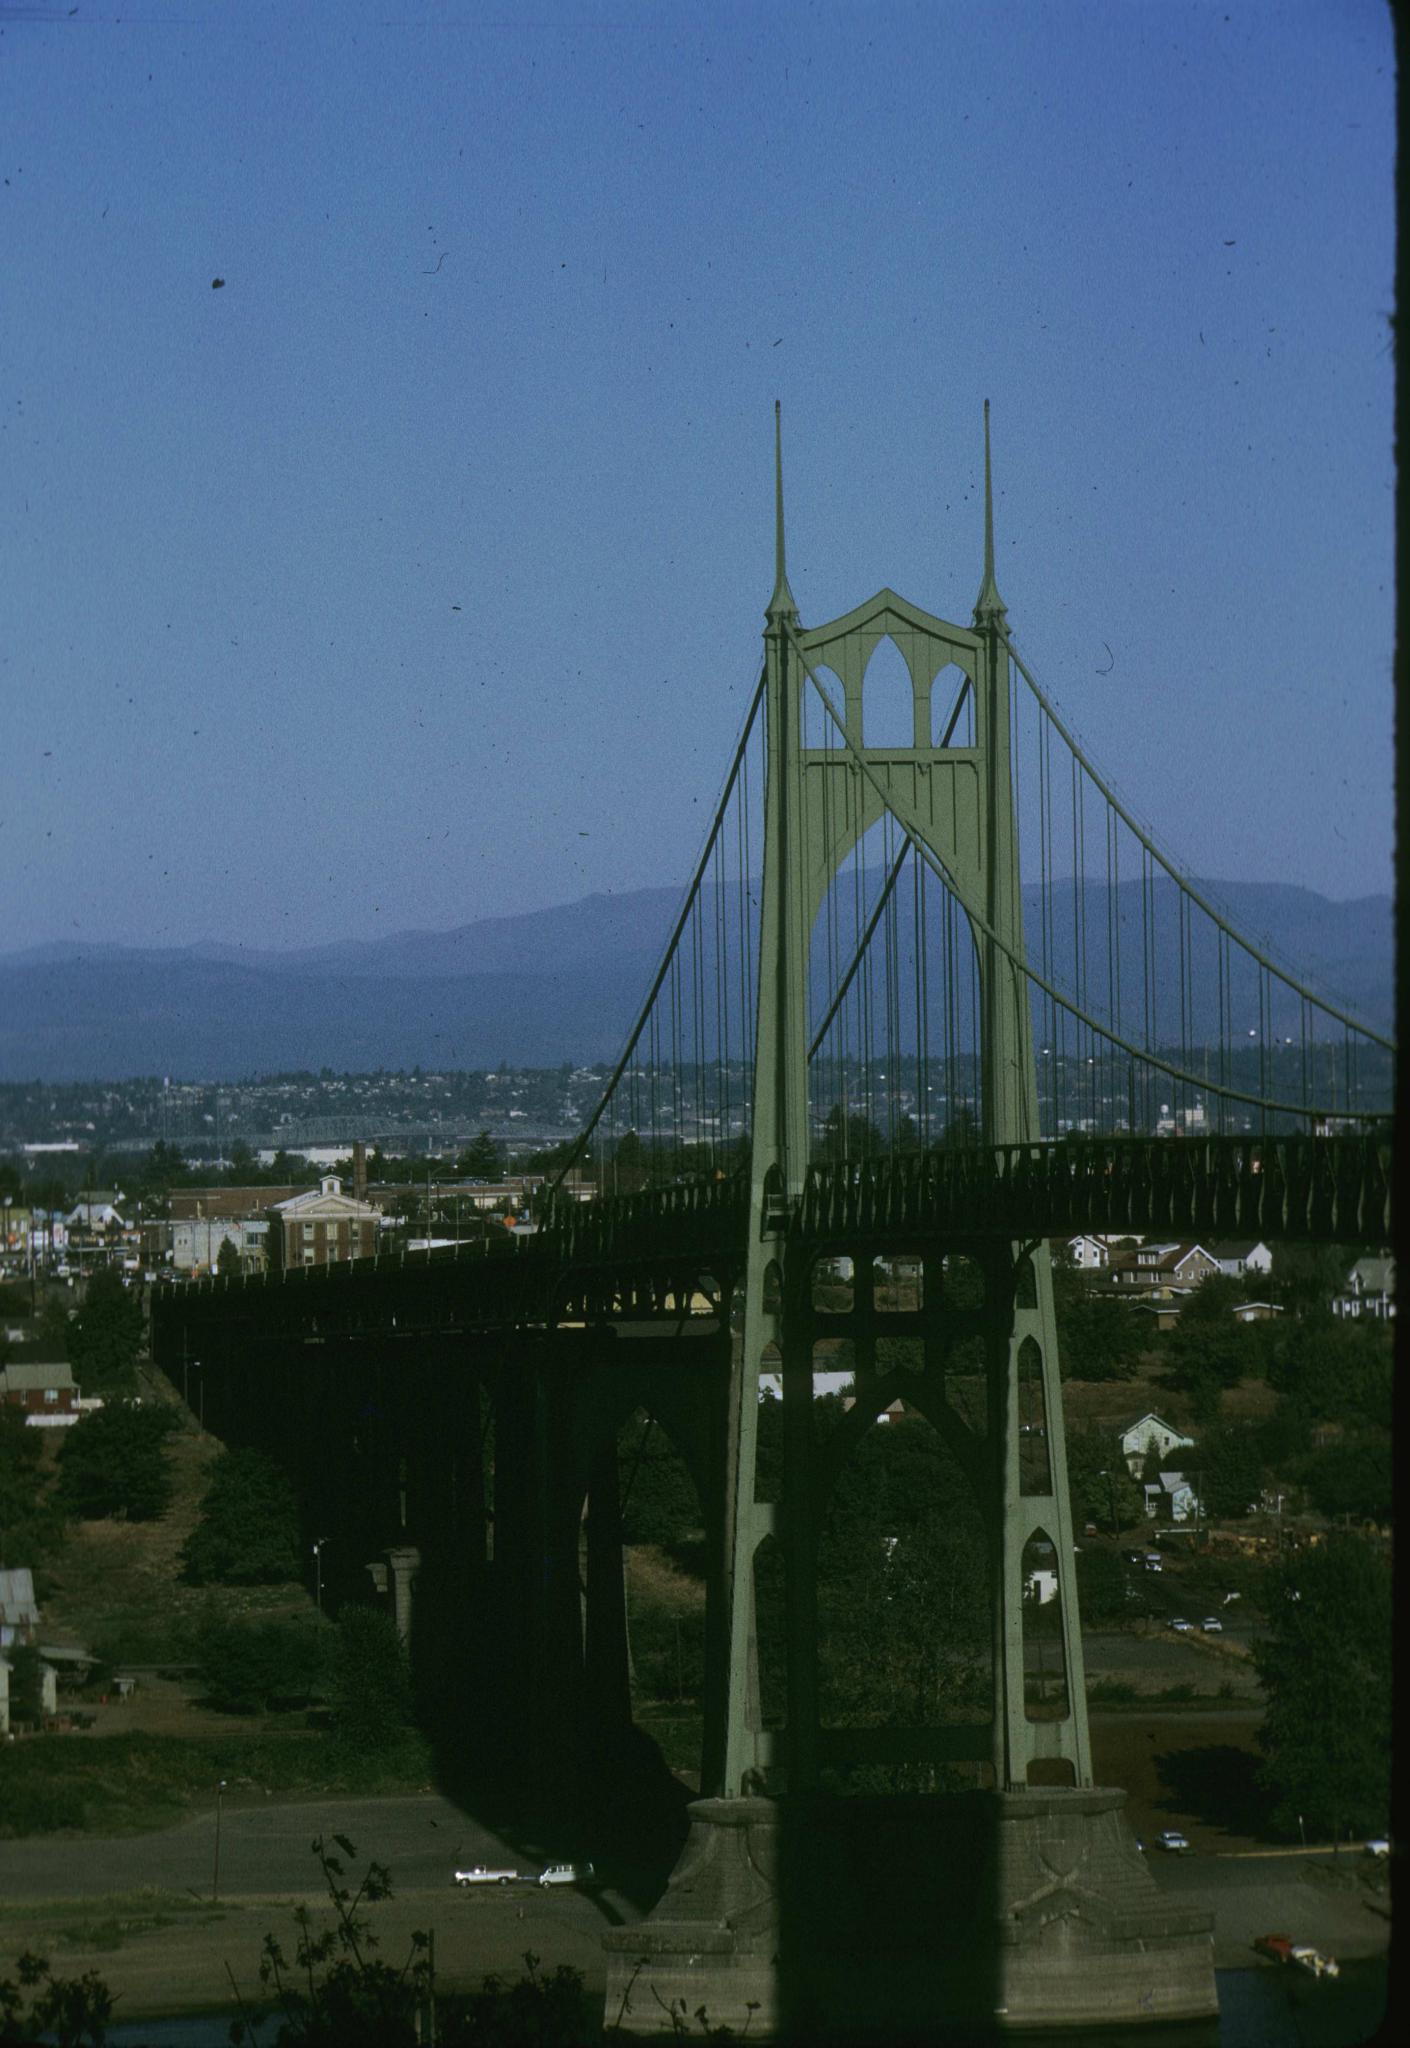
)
(246, 1665)
(248, 1534)
(371, 1681)
(113, 1464)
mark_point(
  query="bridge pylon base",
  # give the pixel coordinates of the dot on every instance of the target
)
(712, 1940)
(1085, 1937)
(867, 1920)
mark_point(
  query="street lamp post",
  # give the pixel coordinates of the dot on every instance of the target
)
(215, 1875)
(318, 1572)
(1109, 1476)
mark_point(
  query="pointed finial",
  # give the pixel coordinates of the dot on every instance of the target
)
(781, 604)
(989, 607)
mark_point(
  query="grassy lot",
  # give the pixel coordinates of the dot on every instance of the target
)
(103, 1923)
(127, 1784)
(115, 1587)
(1107, 1404)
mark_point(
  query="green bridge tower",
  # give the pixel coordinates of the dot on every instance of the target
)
(1052, 1918)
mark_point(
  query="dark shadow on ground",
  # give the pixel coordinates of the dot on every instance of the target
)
(1219, 1786)
(617, 1806)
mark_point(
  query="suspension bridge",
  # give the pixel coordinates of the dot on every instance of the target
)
(934, 996)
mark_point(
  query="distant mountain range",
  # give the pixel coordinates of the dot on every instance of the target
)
(533, 990)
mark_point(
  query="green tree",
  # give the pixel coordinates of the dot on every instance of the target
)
(1101, 1587)
(963, 1128)
(848, 1135)
(52, 1329)
(105, 1337)
(1098, 1338)
(31, 1521)
(113, 1464)
(248, 1534)
(659, 1503)
(1227, 1470)
(1325, 1667)
(245, 1666)
(1354, 1477)
(1306, 1276)
(161, 1170)
(227, 1260)
(1097, 1480)
(371, 1681)
(1206, 1347)
(630, 1167)
(480, 1159)
(902, 1577)
(1336, 1369)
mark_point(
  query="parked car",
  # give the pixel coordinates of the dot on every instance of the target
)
(1181, 1626)
(1379, 1847)
(1174, 1841)
(480, 1874)
(566, 1873)
(1212, 1625)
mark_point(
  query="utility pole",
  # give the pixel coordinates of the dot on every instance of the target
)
(215, 1874)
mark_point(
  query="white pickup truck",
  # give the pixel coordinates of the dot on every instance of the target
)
(481, 1875)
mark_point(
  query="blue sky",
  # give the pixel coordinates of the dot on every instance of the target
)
(417, 573)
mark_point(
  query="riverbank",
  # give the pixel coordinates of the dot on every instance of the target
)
(168, 1930)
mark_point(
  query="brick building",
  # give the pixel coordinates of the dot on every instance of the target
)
(321, 1226)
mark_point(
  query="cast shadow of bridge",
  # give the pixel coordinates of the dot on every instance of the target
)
(883, 1926)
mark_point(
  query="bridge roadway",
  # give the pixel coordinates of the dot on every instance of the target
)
(635, 1257)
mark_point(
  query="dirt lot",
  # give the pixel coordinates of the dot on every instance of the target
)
(1194, 1771)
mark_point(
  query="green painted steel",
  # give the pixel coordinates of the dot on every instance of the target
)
(819, 804)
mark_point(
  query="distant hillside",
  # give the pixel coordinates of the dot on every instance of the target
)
(538, 989)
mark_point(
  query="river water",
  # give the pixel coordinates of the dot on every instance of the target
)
(1262, 2008)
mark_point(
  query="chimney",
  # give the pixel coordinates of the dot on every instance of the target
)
(359, 1170)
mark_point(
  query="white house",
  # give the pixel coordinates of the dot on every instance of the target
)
(19, 1612)
(48, 1692)
(1149, 1433)
(1174, 1498)
(1237, 1256)
(1369, 1289)
(97, 1213)
(1089, 1254)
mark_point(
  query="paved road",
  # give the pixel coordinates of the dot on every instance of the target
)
(265, 1860)
(264, 1851)
(182, 1964)
(1279, 1894)
(1169, 1660)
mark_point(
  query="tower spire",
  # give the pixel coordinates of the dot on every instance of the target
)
(989, 607)
(781, 604)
